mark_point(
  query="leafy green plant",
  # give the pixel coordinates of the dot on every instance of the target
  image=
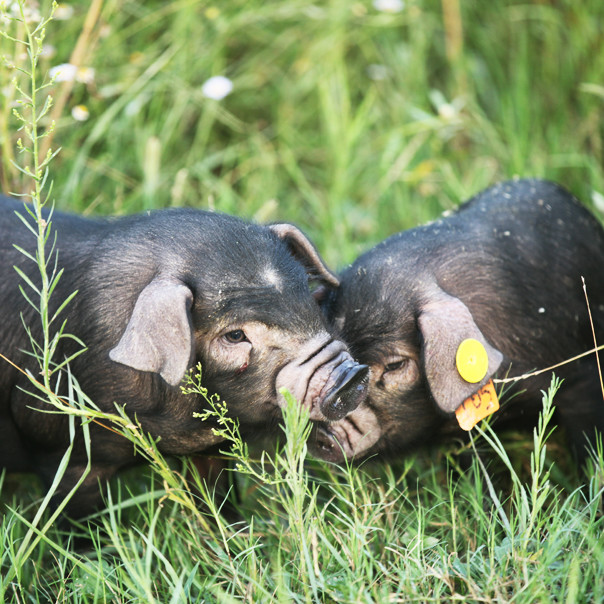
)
(35, 168)
(529, 503)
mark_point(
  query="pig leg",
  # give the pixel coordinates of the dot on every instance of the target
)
(86, 499)
(13, 456)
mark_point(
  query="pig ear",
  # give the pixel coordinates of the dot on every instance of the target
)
(445, 322)
(159, 337)
(304, 251)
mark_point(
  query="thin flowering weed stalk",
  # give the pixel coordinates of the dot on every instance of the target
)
(35, 168)
(15, 66)
(30, 113)
(282, 475)
(530, 503)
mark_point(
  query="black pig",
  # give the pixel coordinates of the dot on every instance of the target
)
(158, 293)
(504, 269)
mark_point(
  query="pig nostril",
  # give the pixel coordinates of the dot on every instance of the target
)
(324, 440)
(326, 446)
(349, 391)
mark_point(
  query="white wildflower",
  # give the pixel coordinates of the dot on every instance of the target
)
(447, 111)
(80, 113)
(217, 88)
(85, 75)
(66, 72)
(389, 6)
(377, 72)
(48, 51)
(63, 12)
(12, 10)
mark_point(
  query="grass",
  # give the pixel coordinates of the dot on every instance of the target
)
(354, 124)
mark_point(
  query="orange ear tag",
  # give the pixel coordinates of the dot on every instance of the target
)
(478, 406)
(472, 363)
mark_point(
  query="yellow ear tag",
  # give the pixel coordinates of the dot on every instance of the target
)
(472, 361)
(477, 407)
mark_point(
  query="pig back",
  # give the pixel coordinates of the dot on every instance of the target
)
(518, 261)
(515, 254)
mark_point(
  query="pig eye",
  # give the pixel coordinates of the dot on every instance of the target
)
(236, 336)
(395, 365)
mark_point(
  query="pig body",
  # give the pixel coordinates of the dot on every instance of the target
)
(504, 269)
(156, 294)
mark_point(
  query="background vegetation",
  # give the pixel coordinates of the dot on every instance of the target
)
(354, 122)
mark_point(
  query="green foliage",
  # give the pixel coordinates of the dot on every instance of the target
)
(316, 532)
(354, 123)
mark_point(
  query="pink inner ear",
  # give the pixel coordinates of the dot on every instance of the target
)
(159, 337)
(304, 251)
(445, 322)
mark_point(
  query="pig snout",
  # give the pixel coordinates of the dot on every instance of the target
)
(325, 379)
(347, 392)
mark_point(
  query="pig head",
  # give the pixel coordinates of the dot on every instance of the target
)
(505, 269)
(157, 294)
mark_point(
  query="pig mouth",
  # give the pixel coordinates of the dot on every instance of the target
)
(349, 438)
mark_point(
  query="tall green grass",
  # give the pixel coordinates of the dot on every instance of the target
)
(353, 123)
(307, 134)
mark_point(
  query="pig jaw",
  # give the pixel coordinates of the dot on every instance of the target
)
(348, 438)
(324, 379)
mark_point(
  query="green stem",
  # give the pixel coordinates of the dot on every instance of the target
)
(38, 178)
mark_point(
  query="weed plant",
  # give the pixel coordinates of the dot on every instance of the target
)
(353, 122)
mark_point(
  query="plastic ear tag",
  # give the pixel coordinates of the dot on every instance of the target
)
(478, 406)
(472, 361)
